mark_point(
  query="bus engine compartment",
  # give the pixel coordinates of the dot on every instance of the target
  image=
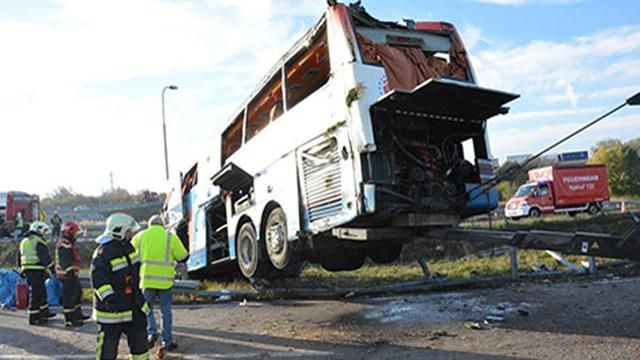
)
(420, 164)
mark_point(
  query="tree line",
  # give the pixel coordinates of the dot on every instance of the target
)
(66, 196)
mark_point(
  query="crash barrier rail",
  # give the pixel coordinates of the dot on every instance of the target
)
(262, 291)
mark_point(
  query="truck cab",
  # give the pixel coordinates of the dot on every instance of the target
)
(531, 199)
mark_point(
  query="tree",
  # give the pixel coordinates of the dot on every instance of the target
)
(623, 165)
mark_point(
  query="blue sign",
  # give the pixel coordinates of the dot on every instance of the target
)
(574, 156)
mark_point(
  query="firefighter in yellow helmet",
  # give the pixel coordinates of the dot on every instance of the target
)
(34, 261)
(119, 306)
(159, 250)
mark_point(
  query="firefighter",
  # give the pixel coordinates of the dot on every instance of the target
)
(158, 250)
(34, 261)
(119, 306)
(56, 221)
(67, 266)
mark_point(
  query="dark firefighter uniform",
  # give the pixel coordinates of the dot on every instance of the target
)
(34, 260)
(119, 306)
(67, 266)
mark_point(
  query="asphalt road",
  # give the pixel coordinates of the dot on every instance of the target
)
(582, 319)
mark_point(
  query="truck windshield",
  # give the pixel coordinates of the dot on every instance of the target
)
(525, 190)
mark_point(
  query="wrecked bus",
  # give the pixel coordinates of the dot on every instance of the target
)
(363, 134)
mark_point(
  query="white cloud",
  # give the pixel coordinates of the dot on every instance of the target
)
(545, 65)
(50, 62)
(513, 140)
(544, 114)
(529, 2)
(621, 92)
(472, 36)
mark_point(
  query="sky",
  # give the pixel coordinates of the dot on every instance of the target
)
(82, 79)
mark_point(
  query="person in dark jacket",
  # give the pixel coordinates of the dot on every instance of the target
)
(34, 261)
(118, 304)
(56, 222)
(67, 267)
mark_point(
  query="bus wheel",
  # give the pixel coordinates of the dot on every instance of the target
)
(385, 254)
(535, 212)
(277, 239)
(248, 252)
(349, 260)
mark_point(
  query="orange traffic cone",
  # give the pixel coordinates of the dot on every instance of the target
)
(623, 208)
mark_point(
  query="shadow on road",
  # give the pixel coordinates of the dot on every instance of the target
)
(201, 341)
(26, 340)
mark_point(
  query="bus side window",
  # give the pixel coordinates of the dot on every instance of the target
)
(232, 137)
(308, 70)
(264, 107)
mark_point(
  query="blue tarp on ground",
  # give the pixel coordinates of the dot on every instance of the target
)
(8, 279)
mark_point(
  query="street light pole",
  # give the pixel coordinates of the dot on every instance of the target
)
(164, 130)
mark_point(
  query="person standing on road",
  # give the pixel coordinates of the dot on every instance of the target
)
(19, 225)
(33, 261)
(56, 221)
(119, 305)
(67, 267)
(158, 250)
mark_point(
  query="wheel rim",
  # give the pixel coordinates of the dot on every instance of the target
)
(276, 241)
(246, 251)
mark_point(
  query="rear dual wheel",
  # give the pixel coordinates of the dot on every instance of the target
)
(250, 253)
(271, 258)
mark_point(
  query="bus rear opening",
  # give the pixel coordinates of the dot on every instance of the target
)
(420, 164)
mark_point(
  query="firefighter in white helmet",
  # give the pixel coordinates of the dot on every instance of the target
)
(119, 306)
(34, 261)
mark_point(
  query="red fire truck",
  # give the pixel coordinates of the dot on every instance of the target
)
(13, 203)
(561, 188)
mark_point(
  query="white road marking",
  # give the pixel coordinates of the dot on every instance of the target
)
(254, 344)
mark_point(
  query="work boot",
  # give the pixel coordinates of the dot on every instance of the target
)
(170, 346)
(151, 339)
(80, 315)
(70, 320)
(35, 320)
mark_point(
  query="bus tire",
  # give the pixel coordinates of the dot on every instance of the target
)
(385, 254)
(250, 252)
(535, 212)
(276, 239)
(348, 260)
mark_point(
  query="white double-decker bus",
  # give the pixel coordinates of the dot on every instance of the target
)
(362, 135)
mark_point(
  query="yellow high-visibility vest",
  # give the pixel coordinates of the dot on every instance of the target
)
(158, 250)
(29, 259)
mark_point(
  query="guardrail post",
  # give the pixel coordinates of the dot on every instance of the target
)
(592, 265)
(514, 263)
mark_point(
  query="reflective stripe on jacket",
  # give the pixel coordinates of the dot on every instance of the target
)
(67, 259)
(34, 254)
(158, 251)
(115, 280)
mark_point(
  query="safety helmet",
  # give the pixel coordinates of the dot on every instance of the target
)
(70, 229)
(118, 224)
(40, 228)
(155, 220)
